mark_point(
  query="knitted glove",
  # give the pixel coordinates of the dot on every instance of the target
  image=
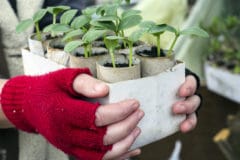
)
(48, 105)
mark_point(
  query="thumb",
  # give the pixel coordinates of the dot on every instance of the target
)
(90, 87)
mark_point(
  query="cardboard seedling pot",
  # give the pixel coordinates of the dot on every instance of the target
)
(156, 94)
(90, 62)
(36, 46)
(222, 82)
(56, 53)
(111, 75)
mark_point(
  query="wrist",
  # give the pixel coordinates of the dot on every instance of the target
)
(4, 122)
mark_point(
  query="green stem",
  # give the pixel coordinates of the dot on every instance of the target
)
(38, 31)
(89, 50)
(169, 53)
(85, 51)
(54, 18)
(158, 46)
(130, 45)
(111, 51)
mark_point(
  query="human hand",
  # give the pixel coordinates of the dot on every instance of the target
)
(121, 118)
(189, 105)
(51, 105)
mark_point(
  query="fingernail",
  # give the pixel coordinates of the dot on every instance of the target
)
(134, 104)
(136, 132)
(100, 87)
(181, 108)
(140, 114)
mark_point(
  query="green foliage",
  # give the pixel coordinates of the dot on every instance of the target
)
(25, 24)
(224, 41)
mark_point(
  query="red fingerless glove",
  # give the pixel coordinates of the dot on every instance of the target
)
(48, 105)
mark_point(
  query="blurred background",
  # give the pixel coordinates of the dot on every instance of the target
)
(215, 60)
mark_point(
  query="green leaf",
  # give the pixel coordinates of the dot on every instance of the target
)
(60, 28)
(136, 35)
(128, 1)
(58, 9)
(161, 28)
(92, 35)
(196, 31)
(80, 21)
(104, 25)
(72, 34)
(67, 16)
(89, 11)
(130, 12)
(111, 42)
(107, 19)
(48, 28)
(147, 24)
(129, 22)
(23, 25)
(39, 15)
(71, 46)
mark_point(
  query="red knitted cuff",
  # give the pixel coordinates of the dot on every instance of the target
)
(12, 99)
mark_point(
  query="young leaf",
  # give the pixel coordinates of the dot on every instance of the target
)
(130, 12)
(48, 28)
(23, 25)
(136, 35)
(80, 21)
(58, 9)
(71, 46)
(60, 28)
(39, 15)
(104, 25)
(111, 42)
(129, 22)
(147, 24)
(92, 35)
(67, 16)
(72, 34)
(89, 11)
(196, 31)
(107, 18)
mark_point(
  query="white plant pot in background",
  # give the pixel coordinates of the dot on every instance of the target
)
(156, 94)
(223, 82)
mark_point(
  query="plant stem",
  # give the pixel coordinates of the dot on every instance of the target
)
(158, 46)
(38, 31)
(54, 18)
(111, 51)
(85, 51)
(130, 45)
(89, 50)
(171, 48)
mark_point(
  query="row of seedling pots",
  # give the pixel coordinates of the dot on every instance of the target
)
(97, 40)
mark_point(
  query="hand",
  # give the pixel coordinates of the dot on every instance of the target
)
(189, 105)
(52, 105)
(121, 118)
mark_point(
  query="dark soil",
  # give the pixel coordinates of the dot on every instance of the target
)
(150, 52)
(118, 65)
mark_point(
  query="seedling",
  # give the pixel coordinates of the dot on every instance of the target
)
(195, 31)
(112, 42)
(63, 26)
(86, 42)
(25, 24)
(156, 30)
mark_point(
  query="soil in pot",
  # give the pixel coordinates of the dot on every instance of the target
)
(151, 64)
